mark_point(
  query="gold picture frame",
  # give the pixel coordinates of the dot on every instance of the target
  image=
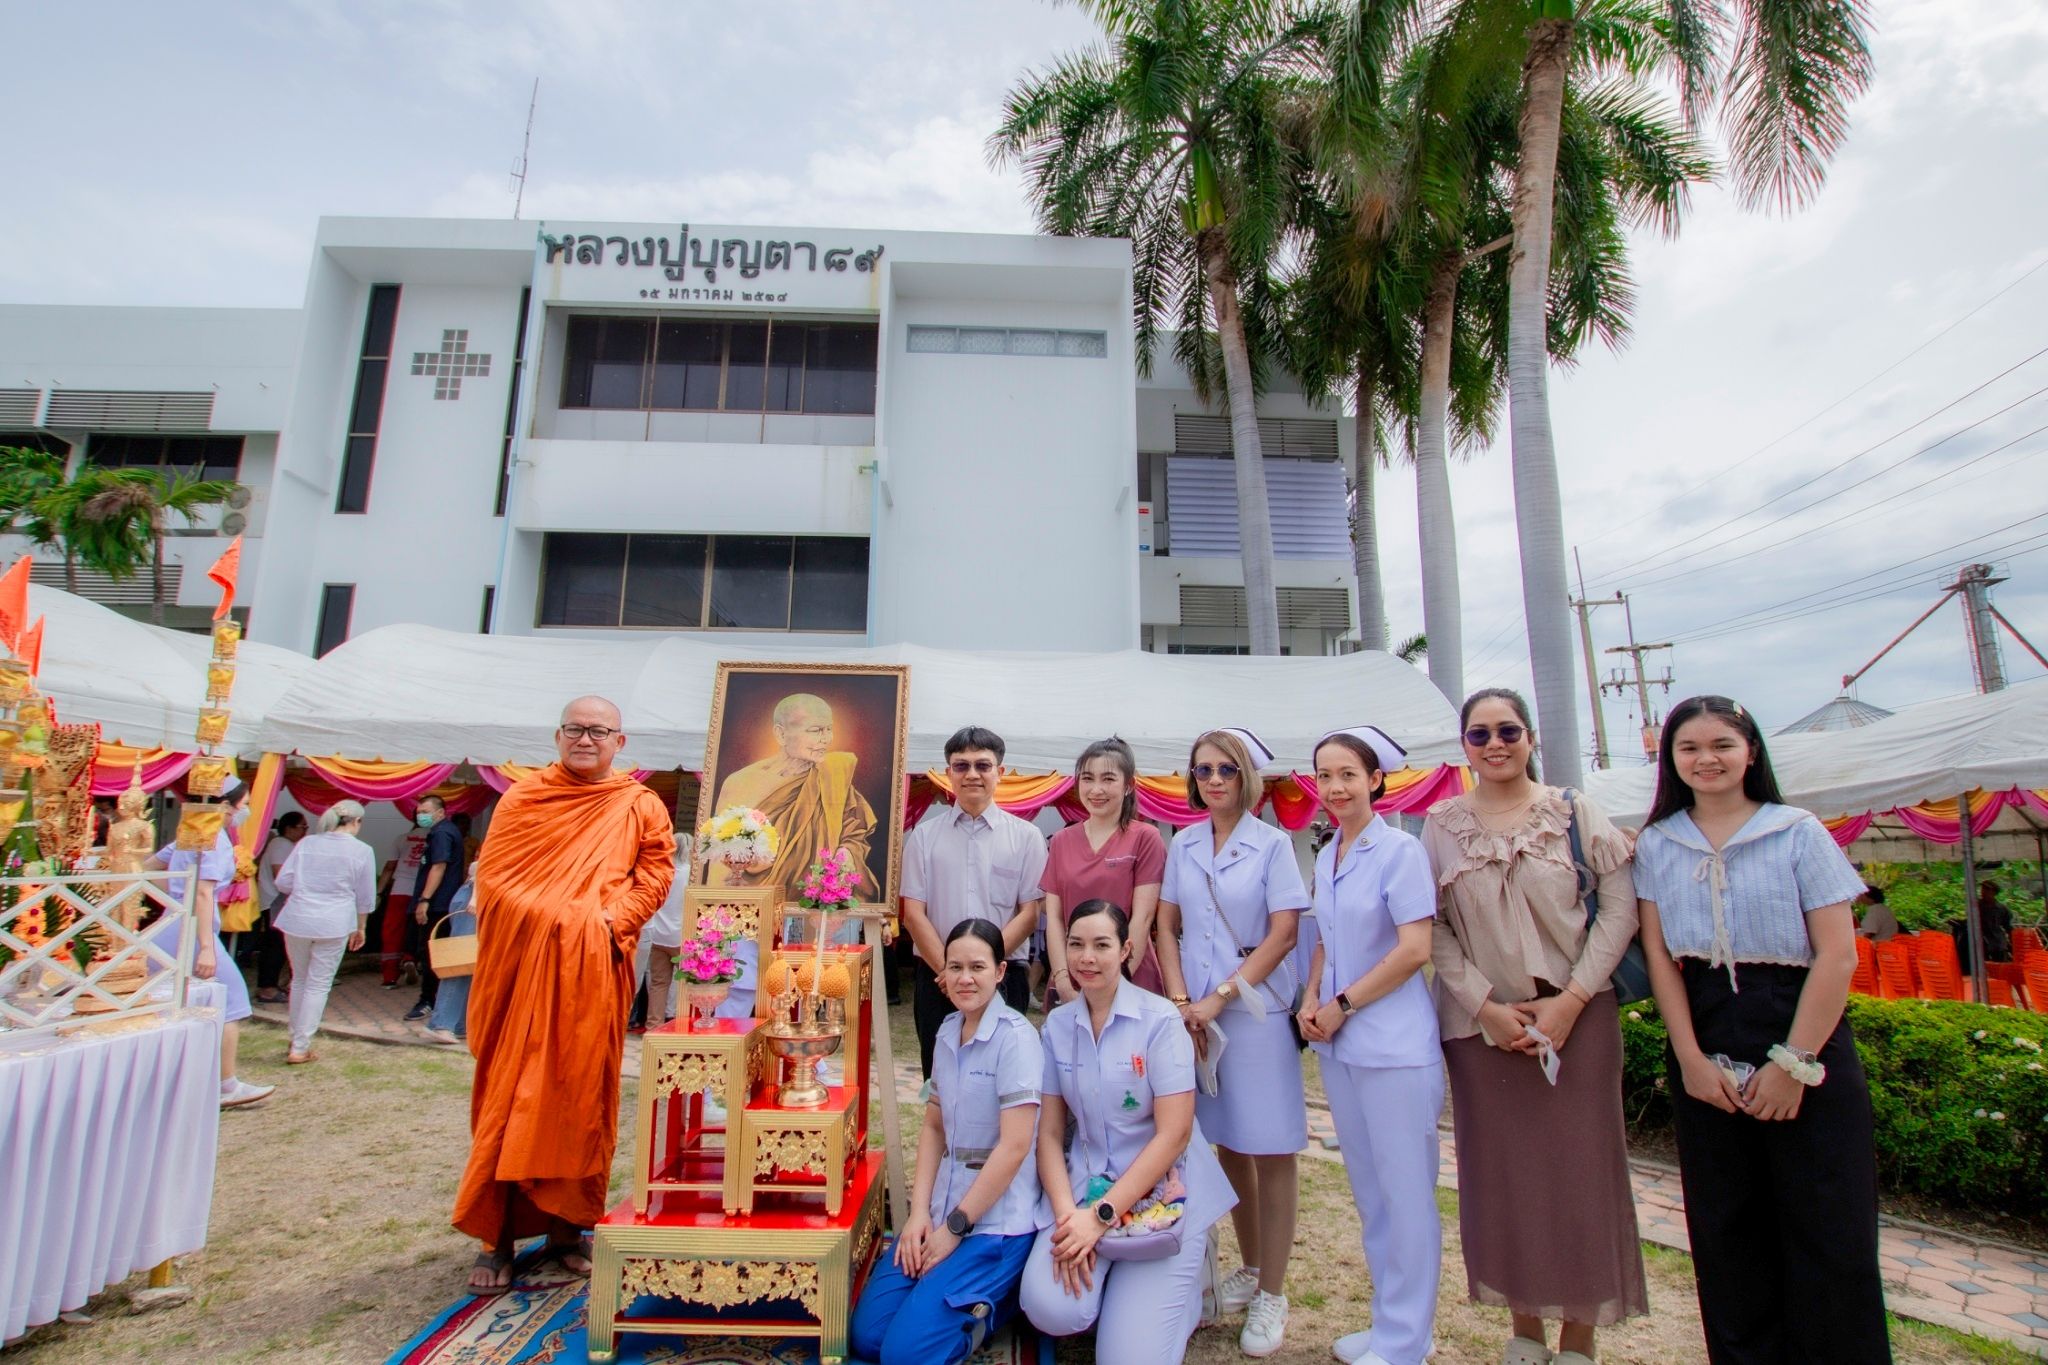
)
(748, 754)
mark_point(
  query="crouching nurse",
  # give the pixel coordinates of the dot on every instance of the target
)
(1121, 1062)
(976, 1205)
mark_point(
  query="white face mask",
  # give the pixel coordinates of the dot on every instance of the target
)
(240, 814)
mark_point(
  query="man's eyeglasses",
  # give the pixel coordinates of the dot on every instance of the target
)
(1479, 736)
(962, 767)
(597, 734)
(1205, 771)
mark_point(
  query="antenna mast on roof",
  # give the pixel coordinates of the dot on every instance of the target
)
(525, 147)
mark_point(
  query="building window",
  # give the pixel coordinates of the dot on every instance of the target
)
(667, 364)
(42, 442)
(337, 604)
(380, 321)
(483, 622)
(923, 340)
(201, 457)
(671, 582)
(512, 409)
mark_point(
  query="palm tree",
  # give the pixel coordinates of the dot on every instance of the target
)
(1783, 73)
(1168, 136)
(1413, 648)
(43, 500)
(122, 525)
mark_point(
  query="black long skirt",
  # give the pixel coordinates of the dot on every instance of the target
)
(1782, 1216)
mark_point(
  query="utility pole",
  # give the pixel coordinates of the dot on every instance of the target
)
(1584, 607)
(1653, 729)
(1975, 583)
(525, 149)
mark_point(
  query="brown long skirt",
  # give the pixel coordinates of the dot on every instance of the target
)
(1544, 1203)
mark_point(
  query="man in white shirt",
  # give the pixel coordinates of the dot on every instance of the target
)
(973, 860)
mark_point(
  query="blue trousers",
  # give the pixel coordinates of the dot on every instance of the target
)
(451, 1001)
(944, 1315)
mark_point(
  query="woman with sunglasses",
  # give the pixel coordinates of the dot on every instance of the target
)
(1112, 855)
(1751, 944)
(1229, 911)
(1532, 1041)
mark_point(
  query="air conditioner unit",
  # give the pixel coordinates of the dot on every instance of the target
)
(233, 524)
(239, 499)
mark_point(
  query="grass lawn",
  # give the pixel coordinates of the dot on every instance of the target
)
(330, 1238)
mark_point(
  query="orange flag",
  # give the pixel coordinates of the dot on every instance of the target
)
(31, 647)
(225, 571)
(14, 603)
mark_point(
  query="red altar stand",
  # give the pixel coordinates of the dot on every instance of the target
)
(788, 1269)
(764, 1225)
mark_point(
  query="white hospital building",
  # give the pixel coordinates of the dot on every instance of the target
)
(811, 436)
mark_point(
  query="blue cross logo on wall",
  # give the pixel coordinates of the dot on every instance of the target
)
(453, 363)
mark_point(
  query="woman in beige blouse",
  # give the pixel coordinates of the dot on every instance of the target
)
(1544, 1203)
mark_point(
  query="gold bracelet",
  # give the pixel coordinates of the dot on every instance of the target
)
(1179, 999)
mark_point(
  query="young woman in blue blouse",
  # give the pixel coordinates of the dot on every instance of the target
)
(1751, 943)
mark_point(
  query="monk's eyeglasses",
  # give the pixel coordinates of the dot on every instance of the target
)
(595, 733)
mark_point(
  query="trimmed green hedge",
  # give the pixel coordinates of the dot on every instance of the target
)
(1959, 1093)
(1930, 896)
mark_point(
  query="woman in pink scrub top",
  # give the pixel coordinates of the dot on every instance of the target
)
(1111, 856)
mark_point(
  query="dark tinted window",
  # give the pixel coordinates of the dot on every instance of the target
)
(750, 582)
(582, 579)
(337, 604)
(665, 582)
(839, 367)
(830, 591)
(686, 364)
(747, 352)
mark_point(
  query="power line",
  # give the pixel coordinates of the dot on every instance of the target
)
(1696, 632)
(1905, 567)
(1837, 468)
(1851, 518)
(1723, 473)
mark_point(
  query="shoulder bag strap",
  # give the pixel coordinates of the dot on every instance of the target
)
(1216, 902)
(1589, 884)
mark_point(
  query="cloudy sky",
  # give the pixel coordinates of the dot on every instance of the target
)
(1818, 418)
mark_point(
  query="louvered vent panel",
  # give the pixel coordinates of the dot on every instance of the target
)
(1300, 608)
(1305, 499)
(98, 587)
(18, 407)
(121, 410)
(1289, 438)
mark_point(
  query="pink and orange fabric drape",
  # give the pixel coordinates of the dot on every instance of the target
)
(1939, 822)
(114, 765)
(1165, 797)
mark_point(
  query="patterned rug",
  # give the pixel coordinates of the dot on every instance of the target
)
(540, 1321)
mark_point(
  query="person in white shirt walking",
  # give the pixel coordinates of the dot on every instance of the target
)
(330, 880)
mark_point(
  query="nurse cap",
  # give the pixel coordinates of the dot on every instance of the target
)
(1261, 755)
(1390, 754)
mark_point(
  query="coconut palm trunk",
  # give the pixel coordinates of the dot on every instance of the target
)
(1442, 610)
(1365, 533)
(1539, 512)
(1254, 520)
(156, 567)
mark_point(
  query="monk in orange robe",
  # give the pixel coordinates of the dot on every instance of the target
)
(578, 858)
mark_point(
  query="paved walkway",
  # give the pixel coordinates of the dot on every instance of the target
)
(1991, 1288)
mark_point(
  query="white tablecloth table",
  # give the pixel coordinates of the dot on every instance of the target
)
(107, 1146)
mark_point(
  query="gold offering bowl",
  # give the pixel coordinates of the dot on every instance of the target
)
(803, 1046)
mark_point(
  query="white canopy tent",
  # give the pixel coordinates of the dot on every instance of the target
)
(1930, 752)
(415, 693)
(146, 685)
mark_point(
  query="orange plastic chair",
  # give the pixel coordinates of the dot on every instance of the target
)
(1939, 979)
(1895, 971)
(2023, 941)
(1998, 992)
(1864, 982)
(2037, 989)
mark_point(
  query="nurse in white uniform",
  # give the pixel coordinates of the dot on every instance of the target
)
(1120, 1062)
(1369, 1016)
(1229, 908)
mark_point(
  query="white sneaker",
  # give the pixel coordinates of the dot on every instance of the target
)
(1238, 1289)
(1353, 1348)
(240, 1092)
(1265, 1326)
(1571, 1358)
(1522, 1351)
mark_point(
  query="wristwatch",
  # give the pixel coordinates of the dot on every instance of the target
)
(1226, 990)
(1105, 1214)
(1344, 1003)
(957, 1223)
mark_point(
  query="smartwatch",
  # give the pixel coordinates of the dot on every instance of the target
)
(1105, 1214)
(957, 1224)
(1344, 1003)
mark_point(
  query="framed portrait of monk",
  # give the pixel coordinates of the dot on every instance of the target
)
(818, 749)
